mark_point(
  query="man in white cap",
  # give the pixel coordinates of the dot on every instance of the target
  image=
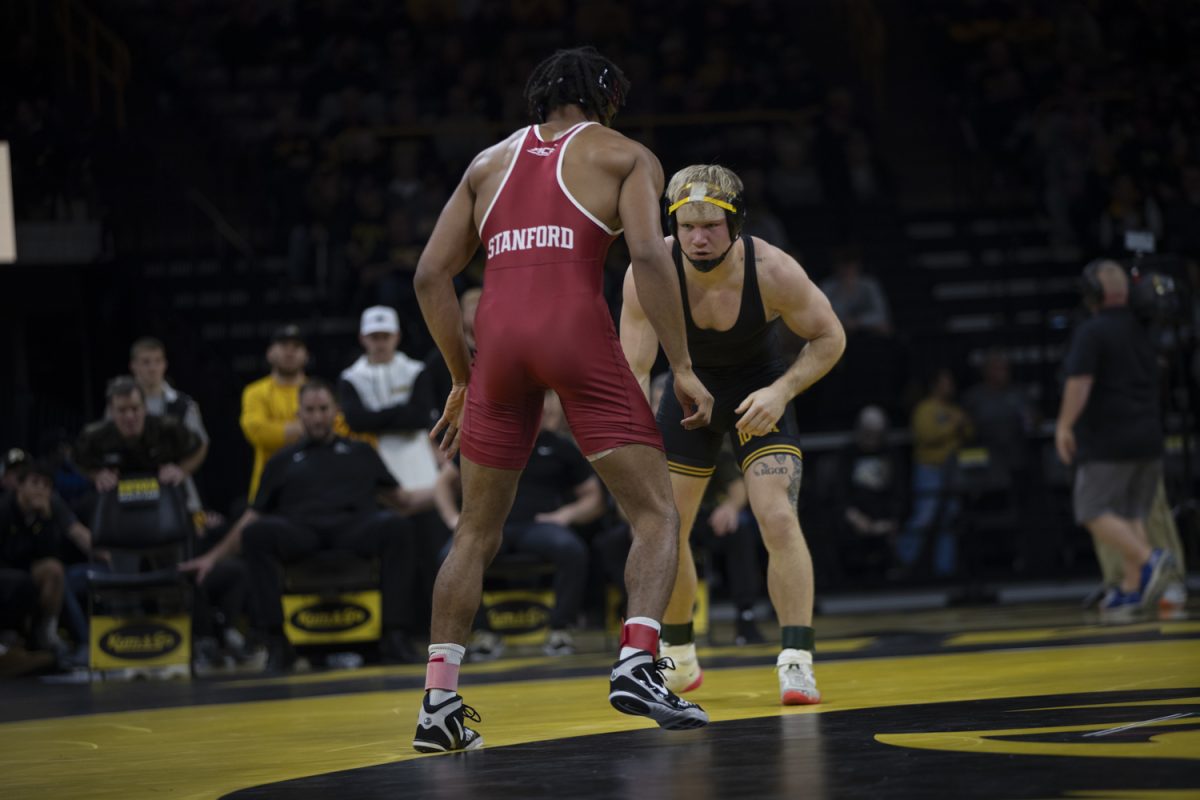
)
(389, 397)
(382, 394)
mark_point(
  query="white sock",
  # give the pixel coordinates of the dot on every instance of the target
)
(453, 653)
(440, 695)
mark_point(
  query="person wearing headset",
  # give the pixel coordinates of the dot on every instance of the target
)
(1109, 429)
(735, 290)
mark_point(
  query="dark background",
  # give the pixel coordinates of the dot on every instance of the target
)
(204, 170)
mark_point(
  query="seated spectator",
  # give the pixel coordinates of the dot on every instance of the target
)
(868, 497)
(1129, 209)
(14, 459)
(130, 441)
(557, 490)
(857, 299)
(31, 540)
(18, 604)
(75, 547)
(323, 493)
(56, 448)
(1001, 414)
(939, 429)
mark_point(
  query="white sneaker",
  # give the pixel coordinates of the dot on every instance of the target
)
(797, 684)
(484, 646)
(687, 674)
(1171, 605)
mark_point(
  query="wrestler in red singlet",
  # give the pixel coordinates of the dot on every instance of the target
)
(543, 321)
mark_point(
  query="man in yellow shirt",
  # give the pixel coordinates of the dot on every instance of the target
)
(269, 405)
(939, 428)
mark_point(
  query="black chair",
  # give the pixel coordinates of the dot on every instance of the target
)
(140, 609)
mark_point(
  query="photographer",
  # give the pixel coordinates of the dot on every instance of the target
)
(1109, 426)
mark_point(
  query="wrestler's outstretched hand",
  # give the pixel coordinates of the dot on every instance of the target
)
(694, 399)
(451, 422)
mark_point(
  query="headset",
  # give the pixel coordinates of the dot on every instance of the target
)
(734, 207)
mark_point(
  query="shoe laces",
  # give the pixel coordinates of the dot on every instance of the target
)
(471, 714)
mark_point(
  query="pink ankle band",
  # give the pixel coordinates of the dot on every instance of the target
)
(440, 675)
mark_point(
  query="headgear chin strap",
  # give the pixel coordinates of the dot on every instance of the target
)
(709, 264)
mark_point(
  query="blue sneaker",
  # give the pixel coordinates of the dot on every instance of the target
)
(1118, 606)
(1156, 574)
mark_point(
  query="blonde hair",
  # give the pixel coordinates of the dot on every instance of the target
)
(722, 181)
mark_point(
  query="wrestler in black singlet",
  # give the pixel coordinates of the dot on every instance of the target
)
(731, 364)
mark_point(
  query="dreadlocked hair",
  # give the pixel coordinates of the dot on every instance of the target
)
(580, 76)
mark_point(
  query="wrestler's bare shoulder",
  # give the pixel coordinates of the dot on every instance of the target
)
(779, 275)
(495, 158)
(612, 149)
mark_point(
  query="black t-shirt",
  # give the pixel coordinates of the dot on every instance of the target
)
(164, 440)
(323, 484)
(25, 539)
(870, 481)
(555, 469)
(1121, 420)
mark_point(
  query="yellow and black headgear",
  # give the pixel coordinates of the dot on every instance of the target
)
(732, 205)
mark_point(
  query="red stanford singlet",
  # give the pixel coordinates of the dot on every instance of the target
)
(543, 323)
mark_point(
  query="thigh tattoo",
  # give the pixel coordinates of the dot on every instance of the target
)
(783, 464)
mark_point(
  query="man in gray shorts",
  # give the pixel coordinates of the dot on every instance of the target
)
(1109, 426)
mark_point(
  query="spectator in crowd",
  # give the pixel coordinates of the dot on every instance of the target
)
(323, 492)
(32, 532)
(18, 605)
(73, 537)
(939, 429)
(857, 299)
(1002, 415)
(56, 447)
(1129, 209)
(387, 397)
(556, 491)
(868, 497)
(130, 441)
(269, 405)
(148, 365)
(14, 459)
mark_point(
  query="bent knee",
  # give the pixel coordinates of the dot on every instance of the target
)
(48, 569)
(778, 526)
